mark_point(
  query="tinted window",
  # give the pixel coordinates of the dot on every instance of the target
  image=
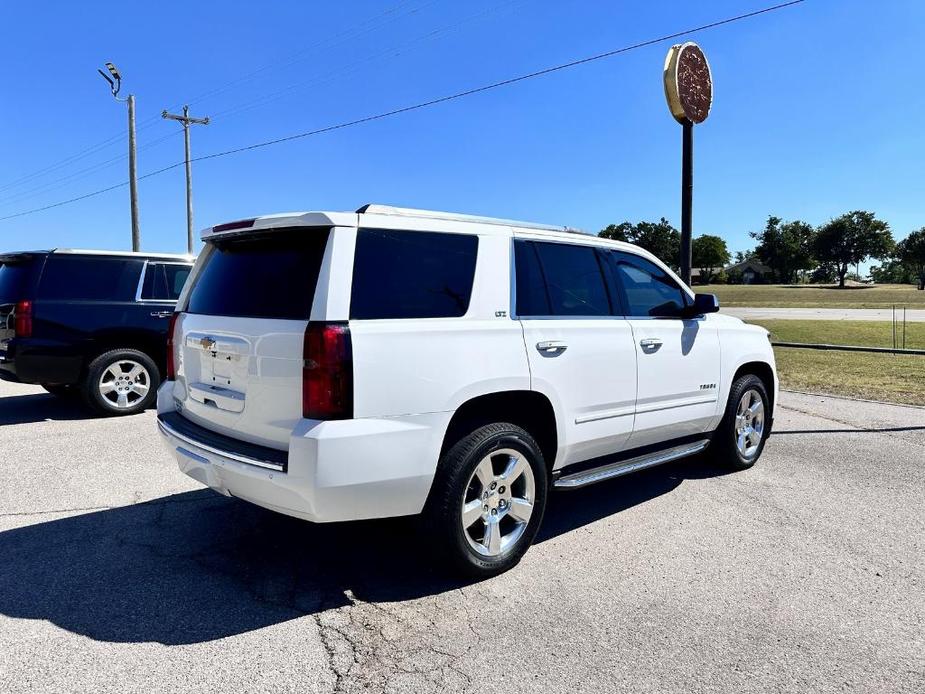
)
(574, 280)
(176, 278)
(532, 298)
(412, 274)
(154, 286)
(164, 281)
(15, 280)
(90, 278)
(647, 288)
(267, 275)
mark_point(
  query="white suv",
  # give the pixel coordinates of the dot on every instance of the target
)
(338, 366)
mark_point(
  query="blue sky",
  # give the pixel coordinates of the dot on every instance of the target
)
(818, 111)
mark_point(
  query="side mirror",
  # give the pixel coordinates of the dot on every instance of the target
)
(703, 303)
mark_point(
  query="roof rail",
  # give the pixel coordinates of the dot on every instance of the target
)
(371, 208)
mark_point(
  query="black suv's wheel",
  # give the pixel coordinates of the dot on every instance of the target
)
(740, 437)
(488, 499)
(60, 390)
(121, 382)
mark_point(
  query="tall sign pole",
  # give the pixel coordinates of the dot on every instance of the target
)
(187, 121)
(689, 92)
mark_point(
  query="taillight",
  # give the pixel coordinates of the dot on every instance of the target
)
(327, 372)
(171, 348)
(23, 322)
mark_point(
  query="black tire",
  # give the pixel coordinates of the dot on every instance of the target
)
(442, 514)
(61, 390)
(118, 359)
(724, 448)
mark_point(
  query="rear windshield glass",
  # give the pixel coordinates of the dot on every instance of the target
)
(268, 275)
(15, 280)
(412, 274)
(90, 278)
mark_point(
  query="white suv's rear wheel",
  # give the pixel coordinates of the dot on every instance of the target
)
(488, 499)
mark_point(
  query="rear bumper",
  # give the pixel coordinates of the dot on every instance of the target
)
(333, 471)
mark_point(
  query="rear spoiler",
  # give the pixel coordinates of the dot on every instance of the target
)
(280, 221)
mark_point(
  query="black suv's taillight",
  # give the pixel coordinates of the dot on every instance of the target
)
(327, 372)
(22, 325)
(171, 348)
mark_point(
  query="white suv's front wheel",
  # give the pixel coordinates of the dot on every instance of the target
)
(740, 437)
(488, 499)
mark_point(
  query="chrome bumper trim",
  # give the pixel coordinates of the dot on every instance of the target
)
(168, 430)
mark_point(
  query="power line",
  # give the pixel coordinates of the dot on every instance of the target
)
(426, 104)
(373, 23)
(391, 51)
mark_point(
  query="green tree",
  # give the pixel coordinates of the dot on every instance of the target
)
(742, 256)
(891, 271)
(851, 239)
(708, 253)
(659, 238)
(785, 247)
(911, 253)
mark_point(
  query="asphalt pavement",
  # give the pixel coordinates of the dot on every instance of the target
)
(804, 574)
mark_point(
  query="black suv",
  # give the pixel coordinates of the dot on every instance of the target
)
(92, 323)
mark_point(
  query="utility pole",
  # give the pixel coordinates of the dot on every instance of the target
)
(187, 122)
(115, 84)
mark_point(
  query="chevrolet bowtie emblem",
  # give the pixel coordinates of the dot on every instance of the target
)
(207, 343)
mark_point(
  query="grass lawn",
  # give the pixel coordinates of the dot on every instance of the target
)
(845, 332)
(888, 377)
(816, 295)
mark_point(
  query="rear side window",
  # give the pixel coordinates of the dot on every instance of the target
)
(647, 288)
(572, 277)
(154, 285)
(267, 275)
(16, 280)
(412, 274)
(90, 278)
(176, 278)
(532, 297)
(164, 281)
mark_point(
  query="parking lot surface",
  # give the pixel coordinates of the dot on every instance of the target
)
(806, 573)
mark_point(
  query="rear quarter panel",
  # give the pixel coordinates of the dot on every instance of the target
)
(416, 366)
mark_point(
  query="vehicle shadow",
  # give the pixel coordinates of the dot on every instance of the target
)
(197, 566)
(40, 407)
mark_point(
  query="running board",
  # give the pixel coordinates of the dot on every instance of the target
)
(624, 467)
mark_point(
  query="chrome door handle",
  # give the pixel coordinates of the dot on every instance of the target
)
(651, 343)
(551, 346)
(161, 314)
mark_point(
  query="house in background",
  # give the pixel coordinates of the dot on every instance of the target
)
(750, 272)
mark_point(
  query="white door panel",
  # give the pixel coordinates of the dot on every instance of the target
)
(591, 367)
(679, 373)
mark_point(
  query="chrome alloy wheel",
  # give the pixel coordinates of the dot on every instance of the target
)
(498, 502)
(749, 423)
(124, 383)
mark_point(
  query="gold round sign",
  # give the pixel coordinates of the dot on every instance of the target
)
(688, 84)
